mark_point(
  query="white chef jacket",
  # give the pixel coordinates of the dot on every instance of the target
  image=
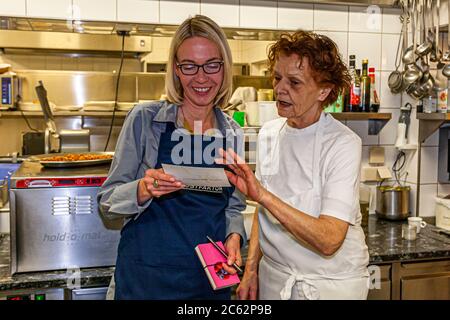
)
(316, 170)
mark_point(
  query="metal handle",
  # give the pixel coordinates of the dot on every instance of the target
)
(39, 183)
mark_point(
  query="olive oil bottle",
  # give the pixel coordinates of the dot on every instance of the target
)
(365, 88)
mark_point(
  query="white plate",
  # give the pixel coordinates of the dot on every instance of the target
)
(67, 108)
(31, 106)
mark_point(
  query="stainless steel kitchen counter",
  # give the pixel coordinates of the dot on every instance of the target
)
(50, 279)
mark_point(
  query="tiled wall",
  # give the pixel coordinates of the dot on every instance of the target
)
(371, 34)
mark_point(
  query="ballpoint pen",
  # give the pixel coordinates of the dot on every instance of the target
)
(223, 252)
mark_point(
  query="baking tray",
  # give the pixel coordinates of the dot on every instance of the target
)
(70, 164)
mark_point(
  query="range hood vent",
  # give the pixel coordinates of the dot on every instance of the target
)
(72, 43)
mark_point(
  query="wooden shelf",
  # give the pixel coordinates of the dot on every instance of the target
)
(357, 116)
(377, 120)
(429, 123)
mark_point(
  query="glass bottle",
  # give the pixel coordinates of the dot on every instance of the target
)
(365, 88)
(374, 100)
(349, 91)
(355, 98)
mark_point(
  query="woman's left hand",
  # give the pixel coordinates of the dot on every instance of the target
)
(242, 176)
(233, 248)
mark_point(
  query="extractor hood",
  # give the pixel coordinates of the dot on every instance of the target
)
(45, 37)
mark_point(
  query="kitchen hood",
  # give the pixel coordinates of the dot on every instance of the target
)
(31, 36)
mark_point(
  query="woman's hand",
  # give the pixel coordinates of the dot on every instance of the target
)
(242, 176)
(233, 248)
(248, 288)
(155, 184)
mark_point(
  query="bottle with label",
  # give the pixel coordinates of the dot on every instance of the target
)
(440, 86)
(348, 91)
(442, 100)
(374, 100)
(365, 88)
(429, 103)
(355, 97)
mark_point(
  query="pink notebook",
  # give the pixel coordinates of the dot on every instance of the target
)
(211, 260)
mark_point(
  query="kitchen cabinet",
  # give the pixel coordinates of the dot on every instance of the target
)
(427, 280)
(175, 12)
(293, 16)
(260, 14)
(225, 13)
(14, 8)
(52, 9)
(141, 11)
(99, 10)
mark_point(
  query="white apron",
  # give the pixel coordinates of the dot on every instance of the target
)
(277, 280)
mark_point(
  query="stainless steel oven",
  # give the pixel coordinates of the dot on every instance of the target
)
(55, 223)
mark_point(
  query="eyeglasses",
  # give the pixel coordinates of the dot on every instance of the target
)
(189, 69)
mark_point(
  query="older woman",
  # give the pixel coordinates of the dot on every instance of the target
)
(167, 219)
(307, 242)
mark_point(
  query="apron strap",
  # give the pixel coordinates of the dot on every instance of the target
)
(309, 289)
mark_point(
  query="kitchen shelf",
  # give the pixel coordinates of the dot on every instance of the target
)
(430, 122)
(377, 120)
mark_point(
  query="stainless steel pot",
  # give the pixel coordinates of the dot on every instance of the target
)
(393, 202)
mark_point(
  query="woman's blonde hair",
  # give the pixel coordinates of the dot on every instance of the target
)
(199, 26)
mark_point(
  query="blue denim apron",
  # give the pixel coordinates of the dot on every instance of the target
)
(156, 255)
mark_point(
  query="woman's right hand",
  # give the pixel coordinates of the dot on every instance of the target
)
(148, 189)
(248, 288)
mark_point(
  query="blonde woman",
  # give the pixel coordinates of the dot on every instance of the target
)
(167, 219)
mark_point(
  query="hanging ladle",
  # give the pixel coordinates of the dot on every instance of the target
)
(425, 47)
(446, 69)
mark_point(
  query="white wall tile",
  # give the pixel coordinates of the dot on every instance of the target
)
(258, 14)
(224, 13)
(443, 189)
(388, 134)
(391, 21)
(365, 156)
(330, 17)
(389, 43)
(341, 39)
(365, 46)
(411, 165)
(56, 9)
(293, 15)
(101, 10)
(361, 129)
(427, 201)
(388, 100)
(412, 198)
(365, 19)
(429, 162)
(175, 12)
(14, 8)
(144, 11)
